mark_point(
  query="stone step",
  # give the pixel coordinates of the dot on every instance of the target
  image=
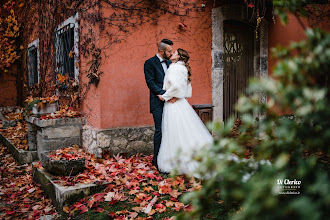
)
(21, 156)
(64, 195)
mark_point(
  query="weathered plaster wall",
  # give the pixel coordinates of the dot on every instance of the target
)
(122, 97)
(284, 35)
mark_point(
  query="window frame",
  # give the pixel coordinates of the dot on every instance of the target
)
(76, 63)
(33, 46)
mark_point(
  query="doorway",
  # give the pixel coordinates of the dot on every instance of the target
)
(238, 45)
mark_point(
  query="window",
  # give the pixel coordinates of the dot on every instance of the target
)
(33, 63)
(66, 48)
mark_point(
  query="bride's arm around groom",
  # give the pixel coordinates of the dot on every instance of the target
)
(176, 82)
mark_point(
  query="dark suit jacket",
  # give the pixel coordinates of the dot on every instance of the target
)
(154, 75)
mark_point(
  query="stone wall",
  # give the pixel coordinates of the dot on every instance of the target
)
(131, 140)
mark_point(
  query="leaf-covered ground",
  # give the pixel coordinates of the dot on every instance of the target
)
(17, 135)
(20, 196)
(135, 189)
(131, 181)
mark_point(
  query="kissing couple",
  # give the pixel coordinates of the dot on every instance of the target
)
(179, 132)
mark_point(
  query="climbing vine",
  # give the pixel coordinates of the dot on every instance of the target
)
(115, 20)
(9, 30)
(124, 18)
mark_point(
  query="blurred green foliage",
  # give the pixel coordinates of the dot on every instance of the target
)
(283, 147)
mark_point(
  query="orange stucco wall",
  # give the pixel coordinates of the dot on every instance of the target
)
(122, 96)
(284, 35)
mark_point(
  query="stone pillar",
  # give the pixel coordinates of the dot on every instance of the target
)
(56, 134)
(32, 136)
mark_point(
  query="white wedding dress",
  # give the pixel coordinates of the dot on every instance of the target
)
(183, 133)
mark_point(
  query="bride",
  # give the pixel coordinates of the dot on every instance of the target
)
(183, 133)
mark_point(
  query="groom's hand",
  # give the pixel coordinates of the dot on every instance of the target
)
(161, 97)
(172, 100)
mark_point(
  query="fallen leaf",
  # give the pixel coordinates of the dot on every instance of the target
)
(147, 209)
(66, 209)
(178, 206)
(169, 203)
(83, 209)
(31, 190)
(108, 197)
(160, 208)
(175, 193)
(148, 189)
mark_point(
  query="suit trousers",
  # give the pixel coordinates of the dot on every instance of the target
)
(157, 114)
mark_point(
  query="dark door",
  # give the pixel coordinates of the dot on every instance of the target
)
(238, 63)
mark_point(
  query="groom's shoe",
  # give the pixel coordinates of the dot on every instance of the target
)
(163, 172)
(155, 165)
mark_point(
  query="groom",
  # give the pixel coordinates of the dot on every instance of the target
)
(154, 72)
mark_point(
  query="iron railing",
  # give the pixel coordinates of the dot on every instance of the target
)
(64, 51)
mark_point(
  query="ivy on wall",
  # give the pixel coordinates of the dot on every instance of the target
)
(41, 18)
(9, 30)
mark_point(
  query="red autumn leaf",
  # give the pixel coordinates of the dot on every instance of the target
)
(159, 178)
(133, 192)
(150, 175)
(178, 206)
(94, 199)
(164, 189)
(111, 214)
(132, 215)
(156, 193)
(160, 208)
(189, 208)
(133, 183)
(175, 193)
(169, 203)
(10, 212)
(148, 189)
(100, 210)
(83, 208)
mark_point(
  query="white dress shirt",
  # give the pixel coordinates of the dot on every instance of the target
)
(163, 64)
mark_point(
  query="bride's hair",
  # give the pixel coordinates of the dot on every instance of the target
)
(184, 56)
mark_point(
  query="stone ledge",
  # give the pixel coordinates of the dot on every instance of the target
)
(55, 122)
(128, 140)
(64, 195)
(21, 156)
(9, 123)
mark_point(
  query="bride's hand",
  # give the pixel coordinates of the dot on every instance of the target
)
(173, 100)
(161, 97)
